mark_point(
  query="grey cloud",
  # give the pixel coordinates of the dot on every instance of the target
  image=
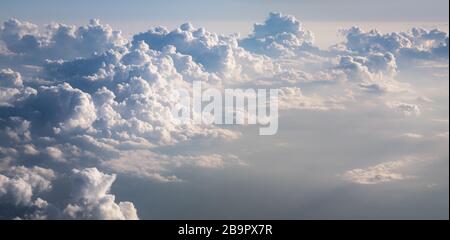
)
(406, 109)
(11, 79)
(20, 185)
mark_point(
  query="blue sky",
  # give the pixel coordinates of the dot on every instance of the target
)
(207, 10)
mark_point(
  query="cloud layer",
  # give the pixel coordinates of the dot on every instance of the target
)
(81, 104)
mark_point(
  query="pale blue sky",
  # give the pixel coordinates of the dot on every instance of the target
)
(211, 10)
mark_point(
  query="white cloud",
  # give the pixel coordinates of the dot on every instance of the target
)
(417, 43)
(374, 73)
(293, 98)
(55, 154)
(405, 108)
(11, 88)
(160, 167)
(59, 41)
(381, 173)
(63, 108)
(30, 149)
(216, 53)
(413, 135)
(442, 135)
(20, 185)
(20, 36)
(92, 199)
(279, 36)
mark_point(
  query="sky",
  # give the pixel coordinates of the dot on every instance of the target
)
(325, 10)
(88, 88)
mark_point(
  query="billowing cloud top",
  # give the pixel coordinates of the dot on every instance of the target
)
(418, 43)
(280, 36)
(59, 41)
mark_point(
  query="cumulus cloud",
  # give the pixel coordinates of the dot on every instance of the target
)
(20, 36)
(12, 88)
(92, 199)
(10, 79)
(279, 36)
(216, 53)
(28, 44)
(20, 185)
(381, 173)
(63, 108)
(374, 73)
(134, 93)
(417, 43)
